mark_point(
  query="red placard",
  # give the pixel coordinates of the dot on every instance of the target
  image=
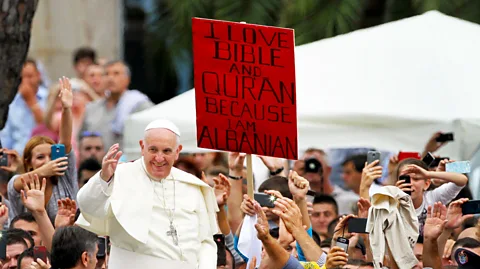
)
(245, 88)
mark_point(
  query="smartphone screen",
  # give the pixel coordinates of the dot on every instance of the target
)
(458, 167)
(357, 225)
(428, 159)
(58, 151)
(471, 207)
(3, 159)
(102, 247)
(343, 243)
(373, 156)
(407, 180)
(40, 252)
(265, 200)
(405, 155)
(221, 251)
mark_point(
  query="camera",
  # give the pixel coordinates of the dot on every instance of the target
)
(312, 165)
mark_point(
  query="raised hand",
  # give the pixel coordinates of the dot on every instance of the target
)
(272, 163)
(14, 160)
(236, 161)
(110, 162)
(432, 144)
(65, 94)
(371, 172)
(33, 194)
(455, 217)
(247, 206)
(39, 264)
(298, 185)
(435, 223)
(341, 229)
(392, 164)
(416, 172)
(262, 227)
(67, 209)
(289, 212)
(54, 168)
(406, 187)
(336, 258)
(222, 189)
(363, 207)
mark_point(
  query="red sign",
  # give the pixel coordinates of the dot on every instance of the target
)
(245, 88)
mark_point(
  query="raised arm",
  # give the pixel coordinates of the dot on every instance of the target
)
(66, 96)
(222, 192)
(432, 230)
(420, 173)
(299, 187)
(235, 174)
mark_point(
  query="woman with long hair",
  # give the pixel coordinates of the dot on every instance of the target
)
(60, 173)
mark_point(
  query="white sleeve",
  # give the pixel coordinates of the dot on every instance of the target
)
(94, 197)
(445, 193)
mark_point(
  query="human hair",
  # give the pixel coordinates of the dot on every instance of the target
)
(28, 253)
(90, 164)
(189, 166)
(68, 245)
(466, 242)
(396, 172)
(83, 53)
(32, 62)
(18, 236)
(276, 183)
(326, 199)
(25, 216)
(357, 160)
(31, 144)
(127, 68)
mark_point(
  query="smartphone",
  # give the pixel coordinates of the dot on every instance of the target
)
(373, 156)
(221, 251)
(408, 180)
(343, 243)
(58, 151)
(3, 159)
(471, 207)
(102, 247)
(3, 245)
(428, 159)
(265, 200)
(40, 252)
(437, 161)
(310, 196)
(458, 167)
(357, 225)
(445, 137)
(405, 155)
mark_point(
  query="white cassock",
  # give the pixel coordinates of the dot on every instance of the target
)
(135, 211)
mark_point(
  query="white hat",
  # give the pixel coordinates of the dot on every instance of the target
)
(163, 124)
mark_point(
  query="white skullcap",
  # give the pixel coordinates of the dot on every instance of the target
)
(163, 124)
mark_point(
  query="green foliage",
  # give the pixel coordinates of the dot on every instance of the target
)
(170, 30)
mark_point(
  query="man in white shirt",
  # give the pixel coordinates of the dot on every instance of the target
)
(156, 215)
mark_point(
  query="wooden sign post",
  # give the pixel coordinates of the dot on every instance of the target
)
(245, 89)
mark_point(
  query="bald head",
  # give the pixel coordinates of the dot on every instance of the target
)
(469, 232)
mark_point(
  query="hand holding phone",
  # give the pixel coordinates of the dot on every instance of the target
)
(373, 156)
(445, 137)
(102, 247)
(343, 243)
(40, 252)
(405, 185)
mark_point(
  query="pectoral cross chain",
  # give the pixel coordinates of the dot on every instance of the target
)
(173, 234)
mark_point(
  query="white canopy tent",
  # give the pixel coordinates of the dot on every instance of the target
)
(388, 87)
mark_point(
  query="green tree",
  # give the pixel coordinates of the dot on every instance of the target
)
(312, 19)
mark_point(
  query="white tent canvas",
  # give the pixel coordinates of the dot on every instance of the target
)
(388, 87)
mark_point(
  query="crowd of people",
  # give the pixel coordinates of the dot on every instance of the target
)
(92, 208)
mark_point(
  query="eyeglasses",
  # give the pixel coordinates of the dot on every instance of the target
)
(90, 134)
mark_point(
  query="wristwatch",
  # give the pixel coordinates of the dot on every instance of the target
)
(276, 172)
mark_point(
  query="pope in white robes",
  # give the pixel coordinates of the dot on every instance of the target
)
(157, 216)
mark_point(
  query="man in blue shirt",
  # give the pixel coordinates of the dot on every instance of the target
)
(26, 109)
